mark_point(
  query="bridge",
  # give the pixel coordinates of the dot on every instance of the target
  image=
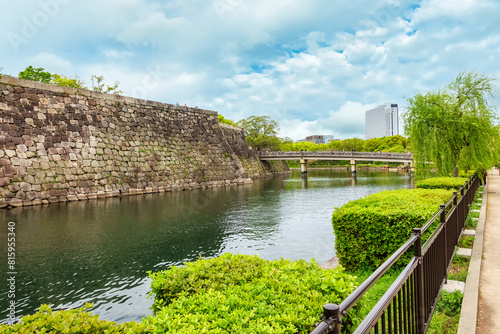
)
(351, 156)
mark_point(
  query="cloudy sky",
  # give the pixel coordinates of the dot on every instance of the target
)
(314, 66)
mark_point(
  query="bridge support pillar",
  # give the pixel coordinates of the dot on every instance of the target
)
(353, 167)
(303, 167)
(412, 169)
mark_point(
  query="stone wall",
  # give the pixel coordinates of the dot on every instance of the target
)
(64, 144)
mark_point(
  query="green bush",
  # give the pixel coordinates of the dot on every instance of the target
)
(69, 321)
(450, 183)
(450, 303)
(369, 230)
(246, 294)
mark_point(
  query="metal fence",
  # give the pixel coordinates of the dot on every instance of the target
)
(408, 305)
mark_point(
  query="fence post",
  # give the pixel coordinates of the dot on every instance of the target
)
(462, 204)
(419, 281)
(442, 217)
(332, 311)
(331, 320)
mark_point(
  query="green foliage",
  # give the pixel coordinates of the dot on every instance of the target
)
(261, 132)
(454, 127)
(98, 85)
(466, 241)
(62, 80)
(459, 268)
(450, 183)
(369, 230)
(39, 74)
(35, 74)
(69, 321)
(395, 144)
(443, 324)
(226, 121)
(246, 294)
(470, 223)
(450, 303)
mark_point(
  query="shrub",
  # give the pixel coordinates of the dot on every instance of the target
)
(369, 230)
(246, 294)
(69, 321)
(450, 303)
(450, 183)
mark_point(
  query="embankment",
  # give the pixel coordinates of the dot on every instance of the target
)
(61, 144)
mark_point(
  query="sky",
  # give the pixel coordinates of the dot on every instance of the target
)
(314, 66)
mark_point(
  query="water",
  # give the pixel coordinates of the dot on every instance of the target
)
(100, 251)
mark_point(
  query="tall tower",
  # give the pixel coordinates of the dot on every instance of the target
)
(382, 121)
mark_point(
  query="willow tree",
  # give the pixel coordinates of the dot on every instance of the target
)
(454, 128)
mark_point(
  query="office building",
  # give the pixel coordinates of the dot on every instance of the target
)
(318, 139)
(382, 121)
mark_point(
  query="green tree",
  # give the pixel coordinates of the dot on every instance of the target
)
(224, 120)
(260, 132)
(453, 127)
(98, 85)
(62, 80)
(35, 74)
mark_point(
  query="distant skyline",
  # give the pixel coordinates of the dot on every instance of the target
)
(314, 66)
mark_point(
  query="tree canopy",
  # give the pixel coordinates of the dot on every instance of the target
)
(39, 74)
(261, 132)
(454, 127)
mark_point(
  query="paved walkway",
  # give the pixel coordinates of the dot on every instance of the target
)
(489, 282)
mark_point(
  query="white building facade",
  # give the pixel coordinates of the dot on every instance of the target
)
(382, 121)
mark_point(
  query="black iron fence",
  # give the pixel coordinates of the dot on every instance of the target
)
(408, 305)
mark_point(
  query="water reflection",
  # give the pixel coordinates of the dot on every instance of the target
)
(99, 251)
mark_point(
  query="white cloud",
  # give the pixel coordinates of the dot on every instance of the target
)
(314, 66)
(51, 62)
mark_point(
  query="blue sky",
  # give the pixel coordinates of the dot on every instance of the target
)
(314, 66)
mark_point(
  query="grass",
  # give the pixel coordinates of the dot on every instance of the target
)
(466, 242)
(376, 291)
(445, 319)
(470, 223)
(459, 268)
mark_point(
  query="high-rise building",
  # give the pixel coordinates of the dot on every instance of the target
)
(382, 121)
(318, 139)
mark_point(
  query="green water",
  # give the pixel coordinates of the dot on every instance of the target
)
(100, 251)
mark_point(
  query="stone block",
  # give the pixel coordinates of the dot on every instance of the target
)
(10, 153)
(72, 198)
(16, 202)
(4, 181)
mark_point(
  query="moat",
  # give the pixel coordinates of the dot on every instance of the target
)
(99, 251)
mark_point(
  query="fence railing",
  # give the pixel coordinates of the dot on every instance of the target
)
(409, 303)
(344, 154)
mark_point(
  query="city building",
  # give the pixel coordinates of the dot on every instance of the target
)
(318, 139)
(382, 121)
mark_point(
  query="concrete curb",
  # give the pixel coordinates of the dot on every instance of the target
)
(468, 314)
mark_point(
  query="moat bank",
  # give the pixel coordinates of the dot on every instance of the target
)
(60, 144)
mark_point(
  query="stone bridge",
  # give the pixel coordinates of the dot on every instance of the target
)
(351, 156)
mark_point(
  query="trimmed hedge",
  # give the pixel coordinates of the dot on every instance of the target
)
(450, 183)
(69, 321)
(369, 230)
(246, 294)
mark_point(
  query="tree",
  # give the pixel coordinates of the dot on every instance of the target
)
(98, 85)
(260, 132)
(224, 120)
(453, 127)
(35, 74)
(62, 80)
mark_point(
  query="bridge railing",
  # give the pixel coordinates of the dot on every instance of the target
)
(408, 305)
(348, 154)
